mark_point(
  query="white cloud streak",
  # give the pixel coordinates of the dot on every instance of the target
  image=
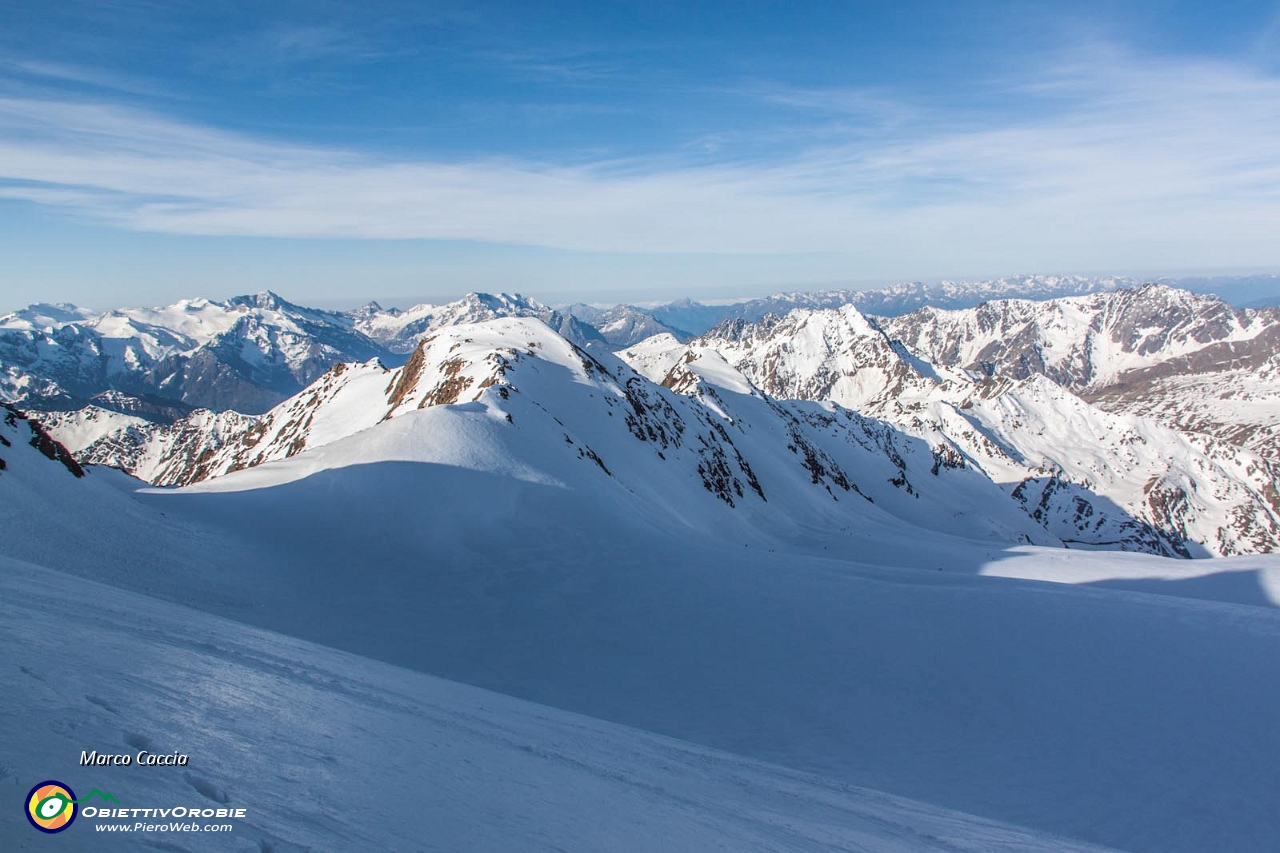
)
(1115, 162)
(61, 72)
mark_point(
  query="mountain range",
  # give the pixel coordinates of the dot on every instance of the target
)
(1088, 475)
(245, 354)
(249, 353)
(1123, 418)
(1068, 418)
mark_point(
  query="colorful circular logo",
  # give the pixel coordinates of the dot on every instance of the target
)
(51, 806)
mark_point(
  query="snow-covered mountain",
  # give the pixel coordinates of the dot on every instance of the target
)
(164, 454)
(902, 298)
(719, 453)
(400, 331)
(686, 317)
(823, 354)
(1190, 361)
(754, 677)
(621, 325)
(962, 384)
(882, 429)
(1093, 478)
(246, 353)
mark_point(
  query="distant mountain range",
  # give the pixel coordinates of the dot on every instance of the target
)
(624, 325)
(245, 354)
(1190, 361)
(249, 353)
(1061, 421)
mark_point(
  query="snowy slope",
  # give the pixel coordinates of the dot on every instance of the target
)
(874, 657)
(1253, 580)
(91, 520)
(473, 770)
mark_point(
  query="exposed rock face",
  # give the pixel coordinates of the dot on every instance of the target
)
(38, 438)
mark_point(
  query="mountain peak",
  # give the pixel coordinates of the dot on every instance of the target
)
(503, 301)
(267, 300)
(370, 310)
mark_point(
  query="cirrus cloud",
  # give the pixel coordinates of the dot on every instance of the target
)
(1107, 160)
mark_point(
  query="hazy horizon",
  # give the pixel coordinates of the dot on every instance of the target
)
(1237, 288)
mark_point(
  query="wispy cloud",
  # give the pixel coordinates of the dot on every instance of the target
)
(311, 43)
(875, 106)
(1121, 161)
(292, 58)
(96, 78)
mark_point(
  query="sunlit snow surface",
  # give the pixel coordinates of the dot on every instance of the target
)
(1241, 580)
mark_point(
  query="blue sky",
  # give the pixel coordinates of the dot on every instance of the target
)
(338, 152)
